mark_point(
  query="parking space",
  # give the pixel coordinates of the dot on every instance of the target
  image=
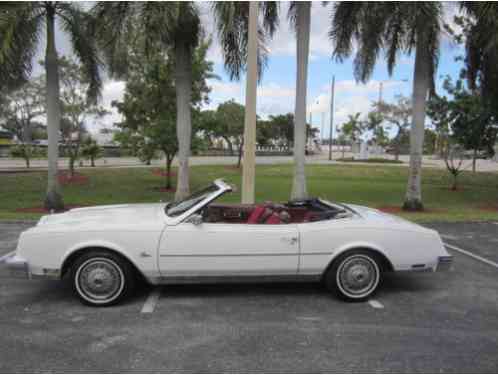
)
(441, 322)
(480, 238)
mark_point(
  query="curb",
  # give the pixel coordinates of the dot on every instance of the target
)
(27, 221)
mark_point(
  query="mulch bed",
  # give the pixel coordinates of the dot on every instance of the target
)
(399, 210)
(43, 210)
(162, 173)
(77, 179)
(492, 207)
(163, 189)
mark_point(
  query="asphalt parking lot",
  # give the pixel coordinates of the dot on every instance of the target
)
(441, 322)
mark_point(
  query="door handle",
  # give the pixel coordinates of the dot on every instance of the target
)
(290, 240)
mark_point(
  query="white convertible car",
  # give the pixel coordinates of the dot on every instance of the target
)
(104, 249)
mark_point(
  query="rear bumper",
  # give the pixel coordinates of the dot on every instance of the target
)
(444, 263)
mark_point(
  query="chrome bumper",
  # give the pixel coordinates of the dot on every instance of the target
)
(444, 263)
(17, 266)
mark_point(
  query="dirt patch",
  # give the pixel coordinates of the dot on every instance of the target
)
(399, 210)
(163, 189)
(162, 173)
(232, 167)
(43, 210)
(76, 179)
(492, 207)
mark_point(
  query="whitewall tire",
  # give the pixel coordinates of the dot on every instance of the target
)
(355, 275)
(102, 278)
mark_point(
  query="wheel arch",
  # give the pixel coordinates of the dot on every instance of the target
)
(75, 252)
(386, 265)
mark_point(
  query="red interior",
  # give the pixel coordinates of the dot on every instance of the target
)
(258, 214)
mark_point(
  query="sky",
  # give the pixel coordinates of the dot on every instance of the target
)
(276, 90)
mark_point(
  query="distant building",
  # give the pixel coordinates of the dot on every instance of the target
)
(104, 139)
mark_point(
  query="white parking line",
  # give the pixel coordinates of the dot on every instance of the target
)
(6, 256)
(472, 255)
(151, 301)
(449, 237)
(375, 304)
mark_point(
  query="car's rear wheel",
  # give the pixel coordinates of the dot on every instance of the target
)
(102, 278)
(354, 276)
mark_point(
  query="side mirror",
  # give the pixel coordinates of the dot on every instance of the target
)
(195, 219)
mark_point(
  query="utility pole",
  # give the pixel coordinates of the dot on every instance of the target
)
(308, 133)
(380, 91)
(249, 165)
(322, 133)
(331, 134)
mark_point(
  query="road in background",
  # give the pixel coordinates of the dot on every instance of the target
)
(8, 164)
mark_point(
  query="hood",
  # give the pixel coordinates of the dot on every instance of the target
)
(104, 216)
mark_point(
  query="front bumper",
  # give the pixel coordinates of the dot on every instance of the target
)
(18, 267)
(444, 263)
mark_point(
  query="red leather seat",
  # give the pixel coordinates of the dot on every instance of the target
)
(256, 214)
(273, 219)
(309, 216)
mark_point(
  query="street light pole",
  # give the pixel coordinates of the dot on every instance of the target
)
(249, 165)
(331, 133)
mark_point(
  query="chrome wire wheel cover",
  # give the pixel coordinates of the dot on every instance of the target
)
(99, 280)
(357, 276)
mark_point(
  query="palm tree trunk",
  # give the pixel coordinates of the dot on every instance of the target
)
(474, 158)
(169, 160)
(303, 41)
(27, 143)
(183, 82)
(421, 79)
(241, 152)
(249, 166)
(53, 200)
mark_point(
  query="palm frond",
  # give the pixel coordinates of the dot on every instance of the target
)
(77, 25)
(20, 26)
(113, 22)
(370, 38)
(345, 27)
(232, 23)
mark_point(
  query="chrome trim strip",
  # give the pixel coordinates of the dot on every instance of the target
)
(228, 255)
(318, 253)
(233, 279)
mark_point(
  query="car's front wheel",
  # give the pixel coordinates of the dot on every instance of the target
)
(354, 276)
(102, 278)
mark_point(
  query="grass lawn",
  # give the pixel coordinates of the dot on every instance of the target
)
(375, 186)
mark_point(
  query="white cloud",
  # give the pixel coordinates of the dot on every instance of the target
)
(272, 98)
(284, 42)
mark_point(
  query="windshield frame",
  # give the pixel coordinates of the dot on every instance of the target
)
(222, 188)
(184, 205)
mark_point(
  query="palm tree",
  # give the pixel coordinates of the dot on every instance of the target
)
(480, 29)
(232, 25)
(394, 27)
(173, 27)
(300, 17)
(21, 25)
(243, 45)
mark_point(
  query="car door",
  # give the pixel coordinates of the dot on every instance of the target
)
(222, 249)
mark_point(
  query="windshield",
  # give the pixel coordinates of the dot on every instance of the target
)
(178, 208)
